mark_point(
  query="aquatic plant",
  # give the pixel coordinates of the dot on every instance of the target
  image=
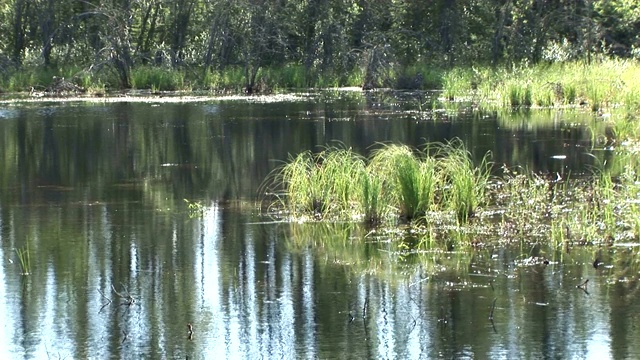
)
(322, 183)
(410, 180)
(24, 257)
(337, 183)
(196, 209)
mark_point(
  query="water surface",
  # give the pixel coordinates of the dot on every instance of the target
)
(120, 265)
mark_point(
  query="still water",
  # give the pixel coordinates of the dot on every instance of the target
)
(120, 265)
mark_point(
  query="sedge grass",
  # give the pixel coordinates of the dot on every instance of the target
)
(337, 183)
(372, 206)
(466, 182)
(596, 210)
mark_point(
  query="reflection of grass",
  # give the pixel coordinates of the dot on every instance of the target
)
(24, 256)
(349, 245)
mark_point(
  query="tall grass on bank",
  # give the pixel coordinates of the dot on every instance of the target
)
(605, 83)
(158, 79)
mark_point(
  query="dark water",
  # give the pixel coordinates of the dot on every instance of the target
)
(97, 192)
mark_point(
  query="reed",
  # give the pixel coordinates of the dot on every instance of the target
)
(415, 181)
(456, 83)
(327, 183)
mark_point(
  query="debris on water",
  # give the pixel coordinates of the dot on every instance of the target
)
(532, 261)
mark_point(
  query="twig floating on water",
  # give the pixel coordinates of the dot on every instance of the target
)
(106, 298)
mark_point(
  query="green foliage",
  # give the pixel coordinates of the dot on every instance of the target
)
(307, 44)
(466, 182)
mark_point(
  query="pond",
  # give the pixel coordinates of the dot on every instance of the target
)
(92, 207)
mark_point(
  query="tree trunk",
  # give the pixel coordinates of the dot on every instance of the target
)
(18, 30)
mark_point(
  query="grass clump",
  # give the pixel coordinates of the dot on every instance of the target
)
(320, 184)
(396, 182)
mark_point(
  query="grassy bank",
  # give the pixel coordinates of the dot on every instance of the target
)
(231, 79)
(599, 85)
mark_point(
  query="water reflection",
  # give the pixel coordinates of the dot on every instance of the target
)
(254, 289)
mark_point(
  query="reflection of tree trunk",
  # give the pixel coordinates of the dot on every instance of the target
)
(50, 165)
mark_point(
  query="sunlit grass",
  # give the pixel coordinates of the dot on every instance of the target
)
(598, 85)
(395, 182)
